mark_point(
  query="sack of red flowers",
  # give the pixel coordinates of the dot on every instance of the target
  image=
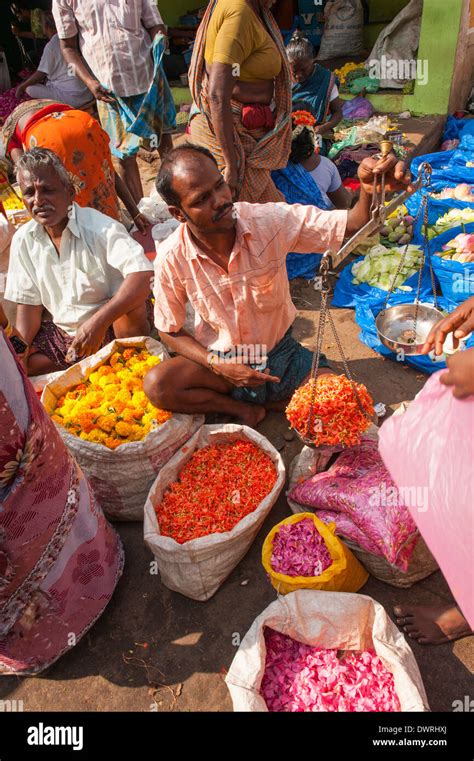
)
(325, 651)
(207, 505)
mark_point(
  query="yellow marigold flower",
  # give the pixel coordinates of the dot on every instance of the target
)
(111, 391)
(123, 429)
(94, 377)
(112, 443)
(104, 370)
(95, 398)
(97, 436)
(123, 374)
(106, 423)
(152, 361)
(140, 399)
(86, 421)
(116, 359)
(123, 396)
(106, 380)
(130, 414)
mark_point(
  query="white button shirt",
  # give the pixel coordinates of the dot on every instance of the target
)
(95, 256)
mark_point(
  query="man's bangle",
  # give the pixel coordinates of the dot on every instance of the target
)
(136, 215)
(210, 362)
(8, 329)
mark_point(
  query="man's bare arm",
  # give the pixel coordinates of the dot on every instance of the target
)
(28, 321)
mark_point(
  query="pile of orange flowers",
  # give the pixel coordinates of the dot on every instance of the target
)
(220, 485)
(110, 407)
(303, 117)
(337, 418)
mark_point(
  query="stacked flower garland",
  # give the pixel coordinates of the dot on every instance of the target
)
(299, 678)
(218, 486)
(337, 418)
(110, 407)
(300, 550)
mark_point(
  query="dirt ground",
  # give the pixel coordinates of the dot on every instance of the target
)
(155, 650)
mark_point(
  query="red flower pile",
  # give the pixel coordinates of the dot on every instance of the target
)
(220, 485)
(337, 418)
(303, 117)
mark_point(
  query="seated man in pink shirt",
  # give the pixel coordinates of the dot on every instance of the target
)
(228, 260)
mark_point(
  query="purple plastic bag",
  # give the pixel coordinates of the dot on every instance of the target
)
(357, 108)
(359, 487)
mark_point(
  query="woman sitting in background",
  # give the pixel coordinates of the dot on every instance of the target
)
(314, 86)
(83, 147)
(53, 80)
(60, 559)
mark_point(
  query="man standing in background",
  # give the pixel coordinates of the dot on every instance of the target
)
(113, 49)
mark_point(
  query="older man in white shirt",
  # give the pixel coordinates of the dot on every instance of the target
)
(77, 263)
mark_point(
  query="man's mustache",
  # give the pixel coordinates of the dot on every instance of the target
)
(45, 207)
(221, 212)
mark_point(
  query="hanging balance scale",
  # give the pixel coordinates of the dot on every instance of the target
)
(403, 327)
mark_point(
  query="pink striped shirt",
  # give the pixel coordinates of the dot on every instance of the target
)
(112, 38)
(251, 302)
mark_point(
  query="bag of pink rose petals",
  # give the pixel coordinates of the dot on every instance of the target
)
(329, 621)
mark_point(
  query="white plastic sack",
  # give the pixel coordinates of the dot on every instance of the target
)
(343, 29)
(154, 208)
(121, 478)
(396, 47)
(199, 567)
(329, 620)
(162, 230)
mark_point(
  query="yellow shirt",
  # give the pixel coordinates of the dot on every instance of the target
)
(235, 35)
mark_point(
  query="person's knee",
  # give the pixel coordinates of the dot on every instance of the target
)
(157, 386)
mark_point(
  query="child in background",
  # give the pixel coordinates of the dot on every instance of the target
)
(314, 86)
(305, 151)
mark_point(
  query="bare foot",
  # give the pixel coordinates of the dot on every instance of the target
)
(252, 414)
(432, 624)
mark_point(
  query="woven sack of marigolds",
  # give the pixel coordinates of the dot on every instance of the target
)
(207, 505)
(117, 436)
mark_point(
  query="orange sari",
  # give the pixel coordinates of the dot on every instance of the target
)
(83, 147)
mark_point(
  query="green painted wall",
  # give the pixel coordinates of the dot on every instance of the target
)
(171, 10)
